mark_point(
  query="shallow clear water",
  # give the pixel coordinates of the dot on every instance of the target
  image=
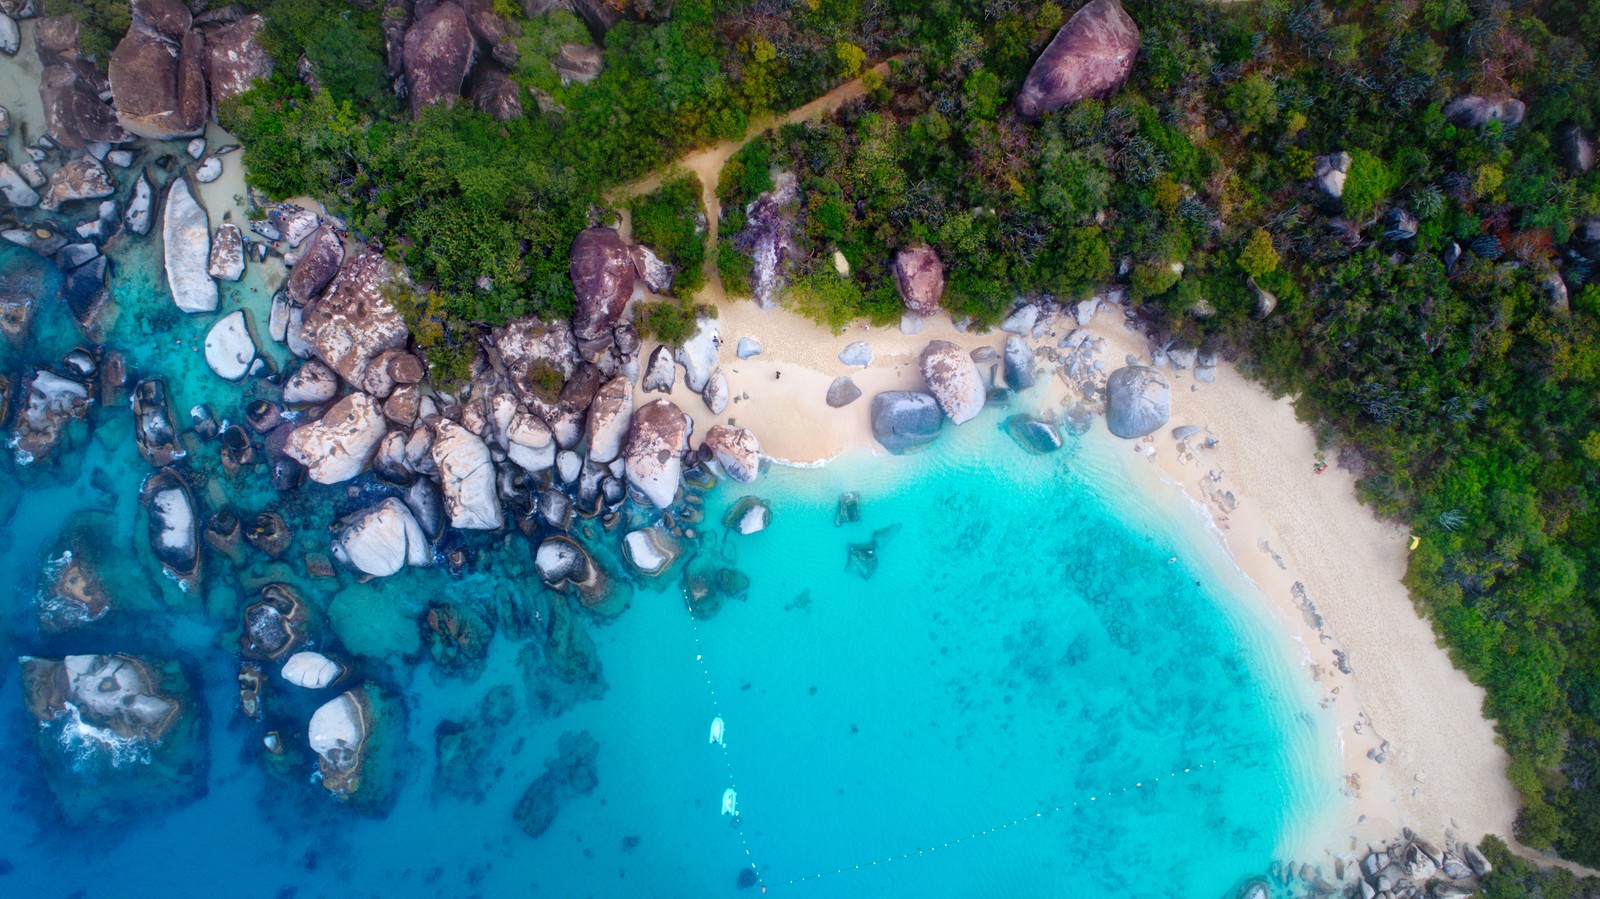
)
(1025, 646)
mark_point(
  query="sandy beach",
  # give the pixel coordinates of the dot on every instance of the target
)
(1286, 525)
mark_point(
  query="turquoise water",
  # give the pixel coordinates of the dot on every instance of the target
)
(1025, 645)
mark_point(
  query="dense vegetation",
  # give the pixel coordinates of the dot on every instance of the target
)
(1464, 394)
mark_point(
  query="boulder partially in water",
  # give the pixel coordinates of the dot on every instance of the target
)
(904, 421)
(229, 348)
(953, 380)
(311, 384)
(466, 477)
(1138, 401)
(1089, 58)
(113, 697)
(653, 459)
(338, 735)
(735, 450)
(749, 515)
(382, 539)
(274, 624)
(186, 241)
(82, 178)
(1035, 434)
(650, 551)
(340, 444)
(174, 525)
(227, 254)
(155, 431)
(311, 670)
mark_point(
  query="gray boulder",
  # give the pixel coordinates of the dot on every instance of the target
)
(904, 421)
(1089, 57)
(186, 240)
(698, 355)
(1020, 368)
(439, 51)
(1476, 110)
(1034, 434)
(1138, 401)
(227, 254)
(736, 450)
(857, 353)
(842, 392)
(748, 348)
(660, 373)
(1329, 172)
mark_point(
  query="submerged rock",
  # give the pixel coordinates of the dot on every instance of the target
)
(186, 239)
(1034, 434)
(953, 379)
(650, 551)
(174, 526)
(572, 772)
(1138, 401)
(380, 540)
(749, 515)
(904, 421)
(1090, 57)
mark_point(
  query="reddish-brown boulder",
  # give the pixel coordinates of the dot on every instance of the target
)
(1089, 57)
(439, 50)
(319, 262)
(353, 323)
(497, 95)
(235, 57)
(919, 276)
(602, 275)
(157, 73)
(74, 114)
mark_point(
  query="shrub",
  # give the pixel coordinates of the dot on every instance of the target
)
(1366, 185)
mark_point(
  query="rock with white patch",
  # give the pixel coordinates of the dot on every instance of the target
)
(382, 539)
(953, 380)
(227, 254)
(311, 670)
(340, 444)
(186, 240)
(653, 458)
(229, 347)
(466, 477)
(735, 450)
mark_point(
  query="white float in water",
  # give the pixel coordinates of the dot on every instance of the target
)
(716, 730)
(730, 802)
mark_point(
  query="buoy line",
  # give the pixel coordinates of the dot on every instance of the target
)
(729, 797)
(999, 828)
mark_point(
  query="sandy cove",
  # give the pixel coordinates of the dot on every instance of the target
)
(1288, 525)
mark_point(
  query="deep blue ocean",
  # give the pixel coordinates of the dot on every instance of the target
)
(1035, 678)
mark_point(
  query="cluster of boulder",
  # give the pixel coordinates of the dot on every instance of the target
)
(1410, 867)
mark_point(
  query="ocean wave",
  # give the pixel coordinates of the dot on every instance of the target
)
(86, 745)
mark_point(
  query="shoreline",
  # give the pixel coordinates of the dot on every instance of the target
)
(1444, 771)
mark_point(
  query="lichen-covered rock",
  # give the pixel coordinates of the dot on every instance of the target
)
(768, 238)
(736, 450)
(466, 477)
(80, 179)
(341, 444)
(227, 254)
(538, 356)
(496, 94)
(439, 51)
(654, 274)
(318, 265)
(74, 114)
(653, 458)
(904, 421)
(157, 73)
(235, 59)
(919, 276)
(353, 323)
(602, 276)
(382, 539)
(1476, 111)
(186, 242)
(312, 384)
(609, 416)
(1089, 57)
(953, 379)
(1138, 401)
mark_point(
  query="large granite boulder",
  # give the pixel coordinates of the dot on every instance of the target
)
(230, 349)
(953, 379)
(186, 243)
(699, 354)
(1476, 111)
(660, 373)
(80, 179)
(55, 38)
(842, 392)
(311, 670)
(227, 254)
(1138, 401)
(466, 477)
(113, 697)
(736, 450)
(609, 415)
(653, 458)
(340, 444)
(74, 114)
(538, 356)
(904, 421)
(602, 275)
(312, 384)
(157, 73)
(496, 94)
(1329, 171)
(1089, 57)
(919, 276)
(1019, 363)
(439, 51)
(382, 539)
(338, 735)
(319, 264)
(354, 323)
(235, 58)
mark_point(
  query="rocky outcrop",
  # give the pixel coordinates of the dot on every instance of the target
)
(157, 73)
(1089, 57)
(74, 114)
(953, 379)
(318, 266)
(15, 189)
(538, 356)
(341, 444)
(736, 450)
(338, 735)
(602, 276)
(768, 238)
(466, 477)
(80, 179)
(354, 323)
(496, 94)
(235, 59)
(1138, 401)
(227, 254)
(439, 52)
(609, 416)
(115, 698)
(919, 276)
(750, 515)
(382, 539)
(1577, 149)
(186, 242)
(1476, 111)
(229, 348)
(653, 458)
(904, 421)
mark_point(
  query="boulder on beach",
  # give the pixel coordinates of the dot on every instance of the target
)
(439, 52)
(904, 421)
(382, 539)
(157, 73)
(1089, 58)
(653, 458)
(699, 354)
(1019, 363)
(842, 392)
(748, 348)
(227, 254)
(229, 348)
(919, 276)
(660, 372)
(1138, 401)
(186, 243)
(953, 380)
(339, 445)
(466, 477)
(736, 450)
(857, 352)
(716, 392)
(602, 276)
